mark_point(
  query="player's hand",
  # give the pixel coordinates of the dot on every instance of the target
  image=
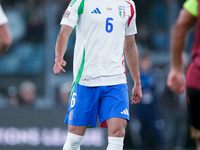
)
(58, 66)
(136, 94)
(176, 81)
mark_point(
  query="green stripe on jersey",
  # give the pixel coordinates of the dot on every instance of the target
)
(72, 3)
(191, 6)
(81, 8)
(78, 77)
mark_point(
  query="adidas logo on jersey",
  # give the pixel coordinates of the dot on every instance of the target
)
(96, 11)
(125, 112)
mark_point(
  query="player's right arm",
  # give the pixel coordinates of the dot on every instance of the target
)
(68, 23)
(5, 38)
(184, 22)
(61, 47)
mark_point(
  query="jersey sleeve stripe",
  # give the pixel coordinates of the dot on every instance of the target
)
(81, 68)
(81, 8)
(132, 13)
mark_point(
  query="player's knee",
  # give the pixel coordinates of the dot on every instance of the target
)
(117, 131)
(79, 130)
(116, 127)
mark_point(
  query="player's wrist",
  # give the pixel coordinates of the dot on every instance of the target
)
(137, 83)
(58, 58)
(176, 68)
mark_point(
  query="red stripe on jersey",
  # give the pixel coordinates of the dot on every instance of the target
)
(132, 13)
(123, 64)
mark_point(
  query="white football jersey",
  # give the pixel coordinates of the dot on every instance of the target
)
(101, 26)
(3, 18)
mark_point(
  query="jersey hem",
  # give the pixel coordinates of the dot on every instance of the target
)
(102, 81)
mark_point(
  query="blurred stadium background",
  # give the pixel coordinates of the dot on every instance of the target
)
(33, 101)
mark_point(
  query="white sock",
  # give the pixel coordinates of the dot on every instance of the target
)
(115, 143)
(73, 142)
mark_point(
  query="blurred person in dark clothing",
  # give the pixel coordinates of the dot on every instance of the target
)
(5, 37)
(147, 111)
(174, 113)
(188, 17)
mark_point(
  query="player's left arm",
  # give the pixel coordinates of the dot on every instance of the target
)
(131, 54)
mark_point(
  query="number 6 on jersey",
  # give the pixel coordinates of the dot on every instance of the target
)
(109, 25)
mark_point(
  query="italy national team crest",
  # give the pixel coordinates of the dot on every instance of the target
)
(70, 114)
(122, 11)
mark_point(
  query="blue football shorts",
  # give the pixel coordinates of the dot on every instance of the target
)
(104, 102)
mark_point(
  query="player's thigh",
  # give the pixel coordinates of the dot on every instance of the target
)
(83, 106)
(114, 104)
(116, 127)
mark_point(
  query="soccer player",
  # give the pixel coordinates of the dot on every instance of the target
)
(188, 17)
(104, 30)
(5, 38)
